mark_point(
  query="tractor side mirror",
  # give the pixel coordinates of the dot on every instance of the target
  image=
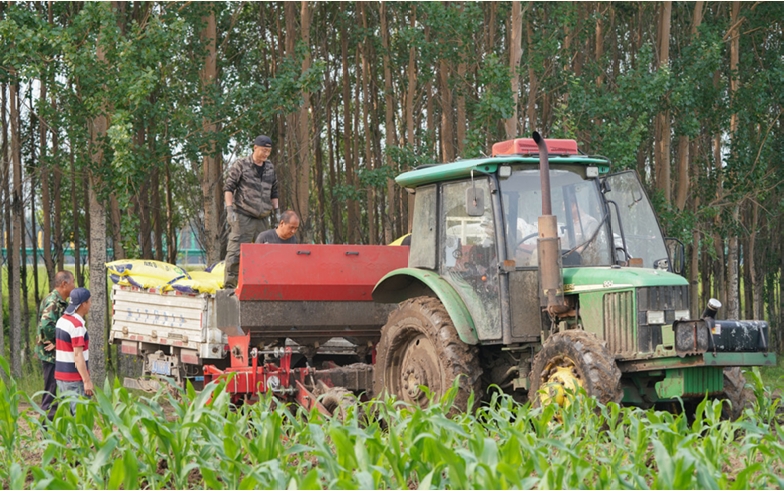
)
(677, 255)
(475, 201)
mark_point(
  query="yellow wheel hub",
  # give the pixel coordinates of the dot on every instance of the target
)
(561, 377)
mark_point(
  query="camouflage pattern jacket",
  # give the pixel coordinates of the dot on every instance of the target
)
(52, 308)
(252, 194)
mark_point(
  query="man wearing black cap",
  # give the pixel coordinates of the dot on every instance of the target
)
(251, 196)
(73, 348)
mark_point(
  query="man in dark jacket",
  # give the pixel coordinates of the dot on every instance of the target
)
(51, 309)
(251, 196)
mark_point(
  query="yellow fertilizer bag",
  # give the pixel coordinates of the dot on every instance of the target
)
(217, 268)
(199, 282)
(146, 267)
(143, 281)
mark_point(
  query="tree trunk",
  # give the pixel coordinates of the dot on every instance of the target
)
(684, 156)
(733, 308)
(430, 118)
(733, 281)
(352, 228)
(212, 192)
(412, 84)
(599, 46)
(515, 54)
(46, 199)
(57, 174)
(171, 232)
(288, 168)
(447, 120)
(682, 186)
(97, 325)
(366, 103)
(389, 126)
(157, 222)
(461, 89)
(116, 220)
(4, 207)
(15, 281)
(304, 155)
(663, 124)
(336, 210)
(75, 223)
(532, 82)
(4, 203)
(694, 252)
(491, 26)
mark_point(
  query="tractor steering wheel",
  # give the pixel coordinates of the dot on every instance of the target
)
(527, 238)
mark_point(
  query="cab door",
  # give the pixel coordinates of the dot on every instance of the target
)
(469, 255)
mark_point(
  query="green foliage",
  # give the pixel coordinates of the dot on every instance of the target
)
(196, 440)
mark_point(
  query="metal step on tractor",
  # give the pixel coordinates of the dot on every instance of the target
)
(534, 270)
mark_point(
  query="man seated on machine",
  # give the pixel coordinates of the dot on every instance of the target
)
(285, 233)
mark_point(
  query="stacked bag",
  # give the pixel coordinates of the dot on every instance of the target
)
(149, 274)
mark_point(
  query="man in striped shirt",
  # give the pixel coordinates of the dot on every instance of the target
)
(72, 344)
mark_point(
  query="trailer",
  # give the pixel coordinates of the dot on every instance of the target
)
(301, 316)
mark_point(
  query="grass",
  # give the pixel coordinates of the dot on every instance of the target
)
(198, 441)
(774, 376)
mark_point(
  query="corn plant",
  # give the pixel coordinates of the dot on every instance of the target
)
(119, 439)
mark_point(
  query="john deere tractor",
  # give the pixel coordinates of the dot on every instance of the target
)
(538, 271)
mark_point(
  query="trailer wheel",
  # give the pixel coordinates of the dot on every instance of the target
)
(419, 346)
(736, 393)
(573, 359)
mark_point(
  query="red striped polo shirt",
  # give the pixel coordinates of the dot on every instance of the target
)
(69, 333)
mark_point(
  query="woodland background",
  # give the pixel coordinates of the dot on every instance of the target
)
(119, 120)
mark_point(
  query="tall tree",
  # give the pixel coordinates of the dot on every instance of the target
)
(663, 124)
(14, 273)
(389, 123)
(515, 54)
(733, 283)
(211, 184)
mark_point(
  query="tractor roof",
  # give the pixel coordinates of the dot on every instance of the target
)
(517, 151)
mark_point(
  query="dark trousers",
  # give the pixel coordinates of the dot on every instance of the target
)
(50, 386)
(243, 231)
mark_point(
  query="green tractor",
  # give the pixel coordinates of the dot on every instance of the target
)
(538, 271)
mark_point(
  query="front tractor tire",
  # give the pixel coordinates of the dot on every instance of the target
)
(573, 359)
(419, 346)
(737, 396)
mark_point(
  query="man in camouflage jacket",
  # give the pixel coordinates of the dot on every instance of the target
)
(251, 196)
(51, 309)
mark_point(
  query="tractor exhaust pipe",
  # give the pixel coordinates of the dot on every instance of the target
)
(548, 245)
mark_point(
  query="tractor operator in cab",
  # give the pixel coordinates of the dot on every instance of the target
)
(285, 233)
(250, 195)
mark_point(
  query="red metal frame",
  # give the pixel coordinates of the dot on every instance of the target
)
(523, 146)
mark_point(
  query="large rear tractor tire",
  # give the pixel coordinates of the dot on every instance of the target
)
(419, 346)
(737, 396)
(573, 359)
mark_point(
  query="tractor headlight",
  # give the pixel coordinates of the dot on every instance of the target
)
(681, 314)
(655, 317)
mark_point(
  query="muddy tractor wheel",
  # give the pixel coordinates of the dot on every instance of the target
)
(737, 396)
(573, 359)
(419, 346)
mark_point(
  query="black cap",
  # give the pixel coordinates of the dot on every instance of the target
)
(263, 141)
(78, 297)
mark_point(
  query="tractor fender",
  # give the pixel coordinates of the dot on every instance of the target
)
(404, 283)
